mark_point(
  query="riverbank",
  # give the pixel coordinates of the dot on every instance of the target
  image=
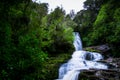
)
(51, 66)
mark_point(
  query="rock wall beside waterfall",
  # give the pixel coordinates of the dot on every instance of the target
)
(102, 49)
(113, 72)
(95, 74)
(110, 74)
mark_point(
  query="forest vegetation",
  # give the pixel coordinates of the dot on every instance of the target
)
(33, 43)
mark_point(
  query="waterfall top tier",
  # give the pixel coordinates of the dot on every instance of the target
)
(77, 41)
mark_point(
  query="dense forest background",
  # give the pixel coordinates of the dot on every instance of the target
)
(30, 37)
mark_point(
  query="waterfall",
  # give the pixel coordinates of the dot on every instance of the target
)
(81, 60)
(77, 41)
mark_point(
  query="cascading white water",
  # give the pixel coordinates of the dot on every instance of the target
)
(81, 60)
(77, 42)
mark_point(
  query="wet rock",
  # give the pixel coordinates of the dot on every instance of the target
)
(99, 74)
(112, 62)
(89, 56)
(112, 73)
(100, 48)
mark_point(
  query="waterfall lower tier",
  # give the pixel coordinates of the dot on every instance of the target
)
(78, 62)
(81, 60)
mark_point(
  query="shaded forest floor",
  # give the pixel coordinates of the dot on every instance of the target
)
(51, 67)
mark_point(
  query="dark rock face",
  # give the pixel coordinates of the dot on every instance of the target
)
(112, 62)
(101, 48)
(89, 56)
(94, 74)
(112, 73)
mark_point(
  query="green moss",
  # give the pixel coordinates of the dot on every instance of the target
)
(91, 50)
(51, 66)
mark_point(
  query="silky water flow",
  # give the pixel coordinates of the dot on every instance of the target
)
(81, 60)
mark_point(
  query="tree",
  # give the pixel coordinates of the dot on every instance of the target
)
(60, 31)
(106, 26)
(20, 54)
(85, 19)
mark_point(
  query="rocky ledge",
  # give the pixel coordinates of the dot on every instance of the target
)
(113, 71)
(95, 74)
(100, 48)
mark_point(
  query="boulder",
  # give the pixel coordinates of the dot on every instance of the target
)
(100, 48)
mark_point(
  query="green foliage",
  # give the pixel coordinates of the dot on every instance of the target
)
(102, 16)
(51, 66)
(28, 36)
(106, 26)
(99, 23)
(91, 50)
(85, 19)
(29, 57)
(58, 31)
(21, 56)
